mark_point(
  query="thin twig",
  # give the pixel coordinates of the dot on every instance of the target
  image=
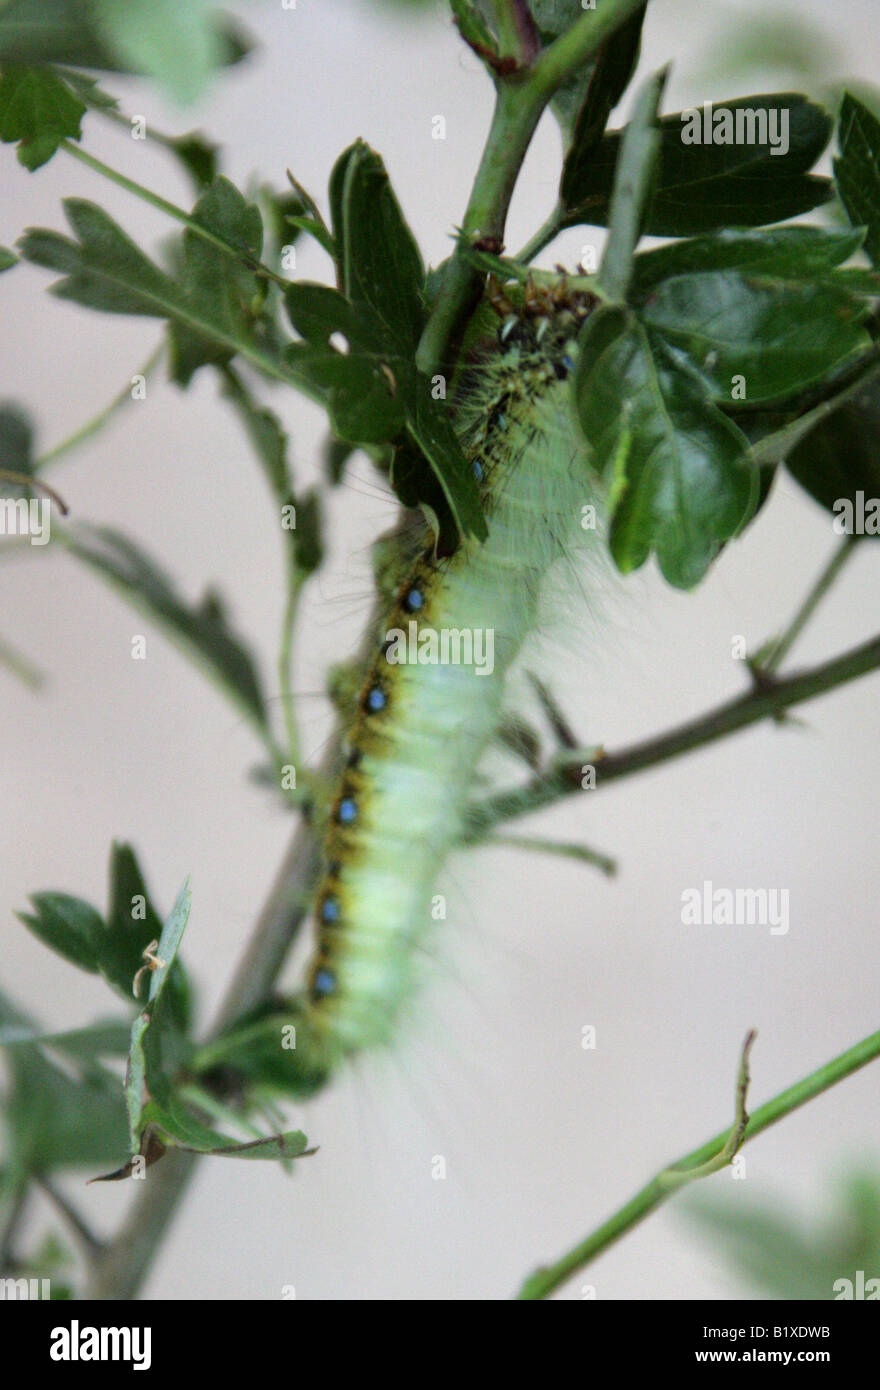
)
(547, 1280)
(562, 848)
(772, 655)
(564, 777)
(179, 214)
(97, 422)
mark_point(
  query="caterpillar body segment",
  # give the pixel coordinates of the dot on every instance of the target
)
(426, 712)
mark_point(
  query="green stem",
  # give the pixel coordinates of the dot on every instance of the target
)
(172, 210)
(562, 848)
(542, 237)
(546, 1280)
(521, 99)
(97, 422)
(294, 581)
(778, 650)
(765, 702)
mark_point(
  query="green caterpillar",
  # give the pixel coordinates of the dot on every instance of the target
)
(423, 723)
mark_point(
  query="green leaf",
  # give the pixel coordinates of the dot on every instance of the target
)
(270, 442)
(381, 263)
(16, 440)
(203, 631)
(132, 925)
(318, 311)
(308, 538)
(472, 26)
(838, 459)
(791, 1255)
(7, 259)
(109, 1038)
(633, 182)
(221, 288)
(781, 337)
(609, 78)
(292, 1144)
(53, 1118)
(115, 947)
(155, 1035)
(268, 438)
(156, 1056)
(857, 170)
(374, 389)
(67, 925)
(68, 31)
(199, 156)
(705, 187)
(314, 229)
(179, 46)
(677, 470)
(431, 427)
(38, 110)
(791, 253)
(361, 400)
(106, 270)
(555, 17)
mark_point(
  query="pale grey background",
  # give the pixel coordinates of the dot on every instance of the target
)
(542, 1139)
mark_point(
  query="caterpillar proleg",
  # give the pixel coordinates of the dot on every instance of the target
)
(432, 697)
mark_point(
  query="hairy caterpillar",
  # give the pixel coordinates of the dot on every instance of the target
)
(421, 725)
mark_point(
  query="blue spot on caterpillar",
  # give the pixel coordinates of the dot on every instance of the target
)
(420, 725)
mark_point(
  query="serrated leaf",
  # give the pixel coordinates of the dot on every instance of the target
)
(38, 110)
(67, 925)
(677, 470)
(704, 187)
(105, 270)
(154, 1104)
(221, 288)
(857, 170)
(318, 311)
(202, 629)
(791, 253)
(773, 338)
(381, 263)
(361, 398)
(113, 948)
